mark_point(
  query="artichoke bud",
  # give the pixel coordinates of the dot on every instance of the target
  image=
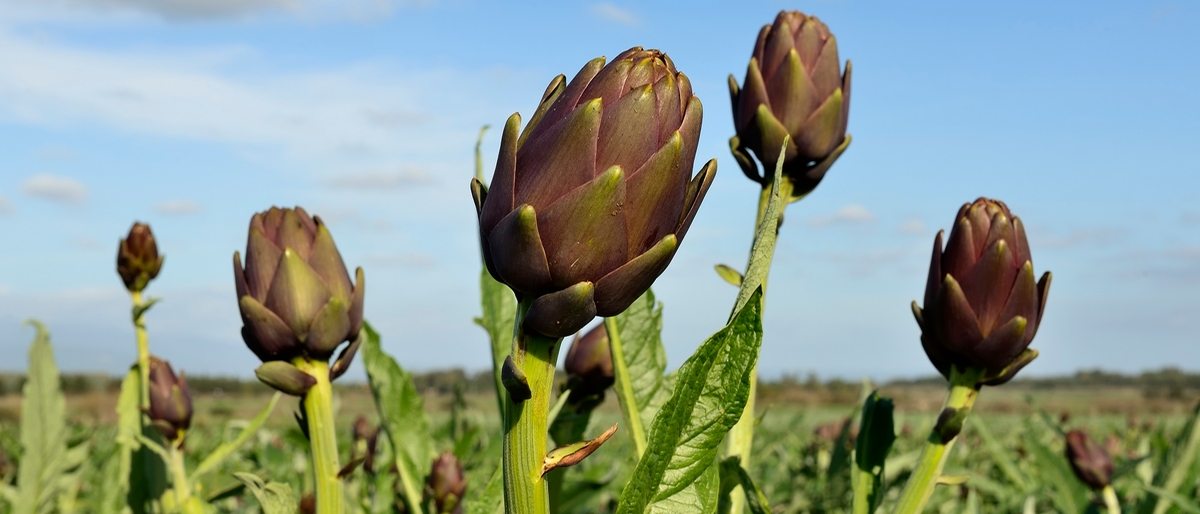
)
(1091, 462)
(138, 261)
(446, 484)
(295, 294)
(589, 364)
(590, 201)
(794, 86)
(170, 400)
(982, 306)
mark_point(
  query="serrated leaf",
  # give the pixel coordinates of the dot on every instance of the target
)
(710, 392)
(642, 388)
(273, 497)
(402, 415)
(499, 310)
(700, 496)
(225, 450)
(491, 500)
(43, 429)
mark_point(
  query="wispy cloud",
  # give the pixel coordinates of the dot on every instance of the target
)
(372, 181)
(615, 14)
(1098, 236)
(848, 214)
(185, 11)
(6, 206)
(402, 260)
(55, 189)
(913, 226)
(178, 207)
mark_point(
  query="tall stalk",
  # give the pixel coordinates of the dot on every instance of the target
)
(625, 385)
(964, 389)
(143, 349)
(318, 409)
(525, 422)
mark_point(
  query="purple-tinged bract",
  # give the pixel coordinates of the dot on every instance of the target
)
(138, 261)
(589, 363)
(170, 400)
(1091, 462)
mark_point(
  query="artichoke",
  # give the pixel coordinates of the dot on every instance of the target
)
(170, 400)
(982, 306)
(794, 86)
(138, 261)
(295, 297)
(589, 202)
(446, 484)
(1091, 462)
(589, 363)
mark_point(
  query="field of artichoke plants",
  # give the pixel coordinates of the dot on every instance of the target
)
(590, 199)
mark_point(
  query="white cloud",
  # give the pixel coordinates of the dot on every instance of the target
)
(913, 226)
(403, 260)
(373, 181)
(177, 207)
(6, 206)
(615, 14)
(1098, 236)
(56, 189)
(848, 214)
(199, 10)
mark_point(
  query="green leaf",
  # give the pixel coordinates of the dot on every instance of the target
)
(491, 501)
(43, 429)
(710, 392)
(1180, 462)
(699, 496)
(1000, 455)
(273, 497)
(1185, 504)
(639, 365)
(877, 432)
(225, 450)
(1055, 472)
(402, 413)
(499, 310)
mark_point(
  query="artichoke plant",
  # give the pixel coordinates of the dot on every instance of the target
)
(794, 86)
(446, 485)
(296, 297)
(170, 400)
(1089, 460)
(589, 202)
(982, 305)
(138, 261)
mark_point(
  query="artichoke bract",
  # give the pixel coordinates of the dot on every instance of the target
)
(296, 297)
(589, 364)
(170, 400)
(138, 261)
(447, 484)
(589, 203)
(982, 305)
(1090, 461)
(794, 86)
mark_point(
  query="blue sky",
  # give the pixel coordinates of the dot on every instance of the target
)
(194, 114)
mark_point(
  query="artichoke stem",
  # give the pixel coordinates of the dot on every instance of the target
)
(143, 349)
(318, 406)
(525, 422)
(1110, 500)
(179, 480)
(964, 389)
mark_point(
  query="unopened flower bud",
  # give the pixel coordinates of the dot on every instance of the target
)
(1091, 462)
(446, 484)
(170, 401)
(138, 261)
(589, 363)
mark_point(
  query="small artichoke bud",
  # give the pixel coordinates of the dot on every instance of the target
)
(982, 306)
(365, 440)
(138, 261)
(589, 203)
(295, 295)
(170, 401)
(794, 86)
(446, 484)
(1090, 461)
(589, 363)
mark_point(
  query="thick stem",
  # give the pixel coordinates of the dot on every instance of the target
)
(625, 386)
(143, 349)
(964, 389)
(179, 480)
(762, 252)
(525, 423)
(318, 407)
(1110, 500)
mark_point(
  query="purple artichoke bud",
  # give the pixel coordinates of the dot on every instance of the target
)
(590, 202)
(982, 306)
(170, 401)
(295, 295)
(589, 363)
(1090, 461)
(794, 86)
(446, 484)
(138, 261)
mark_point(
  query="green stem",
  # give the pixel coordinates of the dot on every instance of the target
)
(964, 389)
(625, 387)
(143, 349)
(762, 252)
(1110, 500)
(318, 407)
(525, 423)
(184, 501)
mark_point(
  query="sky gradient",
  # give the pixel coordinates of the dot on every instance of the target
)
(194, 114)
